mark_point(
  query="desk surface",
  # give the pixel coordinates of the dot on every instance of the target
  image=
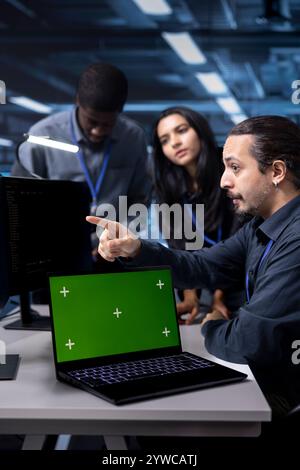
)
(36, 403)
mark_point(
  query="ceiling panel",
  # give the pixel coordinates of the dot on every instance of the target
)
(44, 45)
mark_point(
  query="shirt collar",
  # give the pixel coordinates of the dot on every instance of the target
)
(117, 129)
(274, 225)
(79, 136)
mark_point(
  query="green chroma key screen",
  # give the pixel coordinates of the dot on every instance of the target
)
(105, 314)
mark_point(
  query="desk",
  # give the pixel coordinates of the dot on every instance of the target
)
(36, 404)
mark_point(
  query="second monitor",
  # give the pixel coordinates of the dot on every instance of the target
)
(42, 230)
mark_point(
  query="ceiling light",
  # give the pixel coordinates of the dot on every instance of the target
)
(30, 104)
(229, 105)
(237, 118)
(212, 82)
(5, 142)
(154, 7)
(185, 47)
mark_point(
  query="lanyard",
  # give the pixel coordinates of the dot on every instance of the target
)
(207, 239)
(268, 248)
(94, 189)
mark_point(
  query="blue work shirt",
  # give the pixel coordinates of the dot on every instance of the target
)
(263, 331)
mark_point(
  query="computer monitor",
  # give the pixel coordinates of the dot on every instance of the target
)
(42, 230)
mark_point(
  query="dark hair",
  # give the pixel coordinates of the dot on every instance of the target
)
(102, 87)
(171, 181)
(276, 138)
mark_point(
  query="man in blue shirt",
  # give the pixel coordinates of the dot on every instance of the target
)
(113, 153)
(262, 177)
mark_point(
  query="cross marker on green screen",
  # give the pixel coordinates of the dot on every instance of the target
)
(166, 332)
(69, 344)
(64, 291)
(117, 312)
(160, 284)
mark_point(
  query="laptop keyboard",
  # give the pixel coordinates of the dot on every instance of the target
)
(134, 370)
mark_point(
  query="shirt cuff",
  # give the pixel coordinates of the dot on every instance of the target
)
(142, 259)
(211, 325)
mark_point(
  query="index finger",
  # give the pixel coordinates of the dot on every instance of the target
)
(97, 221)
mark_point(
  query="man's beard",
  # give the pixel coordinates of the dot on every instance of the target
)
(243, 217)
(255, 210)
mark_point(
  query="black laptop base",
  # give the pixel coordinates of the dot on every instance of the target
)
(170, 384)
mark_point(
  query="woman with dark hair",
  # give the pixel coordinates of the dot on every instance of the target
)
(187, 168)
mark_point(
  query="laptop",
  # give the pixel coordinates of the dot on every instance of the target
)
(116, 336)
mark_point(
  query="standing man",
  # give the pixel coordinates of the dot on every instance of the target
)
(262, 177)
(113, 154)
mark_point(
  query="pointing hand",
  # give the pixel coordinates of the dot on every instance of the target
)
(116, 240)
